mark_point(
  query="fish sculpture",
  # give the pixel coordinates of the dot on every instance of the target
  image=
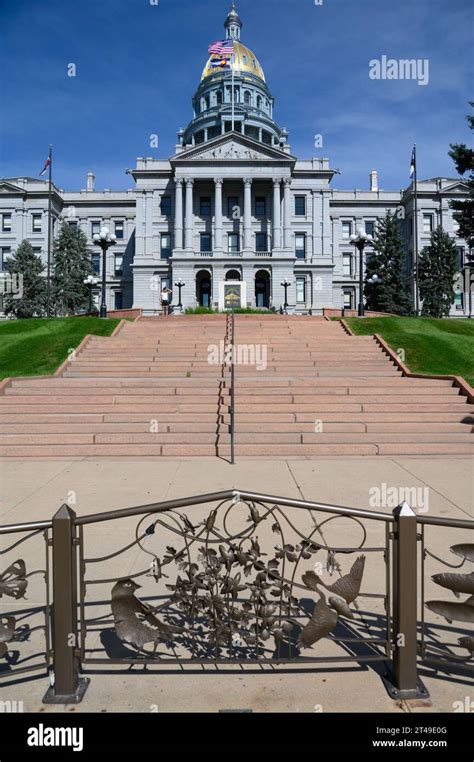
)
(464, 550)
(459, 612)
(458, 583)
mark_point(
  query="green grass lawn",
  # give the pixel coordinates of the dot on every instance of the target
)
(37, 347)
(431, 346)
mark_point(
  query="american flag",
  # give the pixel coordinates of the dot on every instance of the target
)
(221, 48)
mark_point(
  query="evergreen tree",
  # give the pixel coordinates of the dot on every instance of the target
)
(437, 270)
(71, 265)
(391, 291)
(463, 158)
(28, 281)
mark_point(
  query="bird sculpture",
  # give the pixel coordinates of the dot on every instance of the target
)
(323, 620)
(347, 587)
(134, 621)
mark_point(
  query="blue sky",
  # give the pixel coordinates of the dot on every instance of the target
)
(138, 65)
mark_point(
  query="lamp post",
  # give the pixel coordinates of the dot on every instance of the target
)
(360, 241)
(105, 239)
(90, 282)
(286, 285)
(180, 284)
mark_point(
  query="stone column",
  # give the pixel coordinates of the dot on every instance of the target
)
(247, 213)
(178, 218)
(218, 213)
(189, 231)
(276, 244)
(287, 213)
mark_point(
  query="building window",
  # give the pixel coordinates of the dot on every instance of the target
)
(165, 206)
(118, 265)
(427, 223)
(36, 223)
(118, 300)
(260, 206)
(347, 265)
(370, 228)
(219, 98)
(301, 290)
(259, 102)
(119, 229)
(300, 206)
(6, 252)
(460, 257)
(6, 223)
(300, 245)
(206, 242)
(37, 251)
(347, 300)
(247, 98)
(261, 242)
(96, 263)
(233, 243)
(233, 206)
(73, 224)
(95, 228)
(165, 246)
(205, 206)
(459, 300)
(346, 230)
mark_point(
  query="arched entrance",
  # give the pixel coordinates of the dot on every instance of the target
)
(204, 288)
(233, 275)
(262, 289)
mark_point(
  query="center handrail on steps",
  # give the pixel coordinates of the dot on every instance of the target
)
(232, 390)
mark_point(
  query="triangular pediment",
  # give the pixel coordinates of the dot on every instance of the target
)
(457, 187)
(8, 187)
(233, 147)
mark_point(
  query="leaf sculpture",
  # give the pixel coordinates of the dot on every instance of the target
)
(7, 629)
(13, 580)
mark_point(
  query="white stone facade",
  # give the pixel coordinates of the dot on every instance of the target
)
(231, 204)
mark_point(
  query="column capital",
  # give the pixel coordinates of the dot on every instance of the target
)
(179, 180)
(248, 180)
(218, 180)
(189, 180)
(287, 180)
(277, 180)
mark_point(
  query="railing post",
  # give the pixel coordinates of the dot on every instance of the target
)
(404, 682)
(66, 686)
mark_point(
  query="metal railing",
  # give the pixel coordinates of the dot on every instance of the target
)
(240, 577)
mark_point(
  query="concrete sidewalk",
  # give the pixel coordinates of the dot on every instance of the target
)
(33, 490)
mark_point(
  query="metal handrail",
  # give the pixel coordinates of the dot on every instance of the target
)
(236, 494)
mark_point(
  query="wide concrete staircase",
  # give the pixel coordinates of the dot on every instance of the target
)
(304, 387)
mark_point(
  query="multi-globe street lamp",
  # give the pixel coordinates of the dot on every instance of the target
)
(286, 285)
(360, 241)
(90, 282)
(180, 284)
(105, 239)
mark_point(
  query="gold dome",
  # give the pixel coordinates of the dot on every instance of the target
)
(245, 62)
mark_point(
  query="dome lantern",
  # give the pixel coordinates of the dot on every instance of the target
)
(233, 24)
